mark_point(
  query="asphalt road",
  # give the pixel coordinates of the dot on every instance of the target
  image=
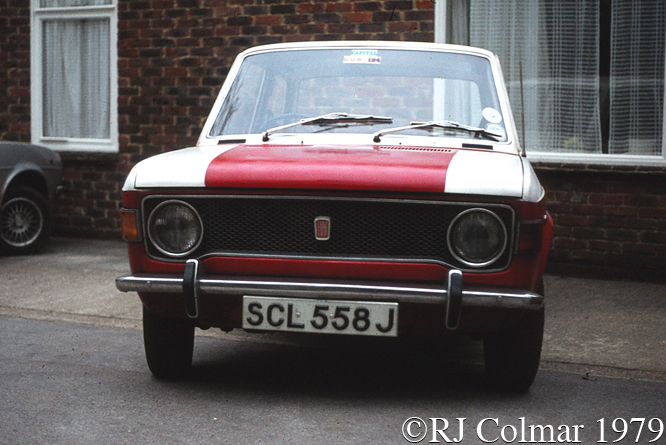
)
(67, 383)
(72, 371)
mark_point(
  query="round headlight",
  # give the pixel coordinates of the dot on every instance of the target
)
(477, 237)
(174, 228)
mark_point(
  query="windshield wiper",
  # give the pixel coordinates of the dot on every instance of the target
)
(447, 125)
(330, 118)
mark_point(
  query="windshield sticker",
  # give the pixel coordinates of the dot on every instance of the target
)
(494, 128)
(363, 56)
(492, 115)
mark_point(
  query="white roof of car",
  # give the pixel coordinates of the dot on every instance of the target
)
(423, 46)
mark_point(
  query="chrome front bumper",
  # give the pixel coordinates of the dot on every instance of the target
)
(452, 294)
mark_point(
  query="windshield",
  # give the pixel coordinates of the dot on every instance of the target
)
(274, 89)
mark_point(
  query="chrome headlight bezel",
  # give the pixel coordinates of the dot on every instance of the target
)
(461, 253)
(188, 246)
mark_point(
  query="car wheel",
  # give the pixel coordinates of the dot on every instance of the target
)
(169, 344)
(24, 221)
(512, 356)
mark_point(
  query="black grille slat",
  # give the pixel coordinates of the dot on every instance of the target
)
(388, 229)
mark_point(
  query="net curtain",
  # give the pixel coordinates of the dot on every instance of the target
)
(75, 60)
(557, 45)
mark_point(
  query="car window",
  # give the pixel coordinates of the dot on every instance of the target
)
(278, 88)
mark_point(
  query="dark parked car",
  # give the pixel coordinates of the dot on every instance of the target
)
(350, 188)
(29, 175)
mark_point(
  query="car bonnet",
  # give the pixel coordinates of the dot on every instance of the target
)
(328, 167)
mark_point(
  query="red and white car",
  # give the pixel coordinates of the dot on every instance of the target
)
(357, 188)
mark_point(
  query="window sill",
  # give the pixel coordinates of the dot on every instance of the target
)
(84, 146)
(90, 156)
(597, 163)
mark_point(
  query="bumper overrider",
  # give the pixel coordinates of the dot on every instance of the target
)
(193, 284)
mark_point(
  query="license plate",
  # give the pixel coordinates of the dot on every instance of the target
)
(322, 316)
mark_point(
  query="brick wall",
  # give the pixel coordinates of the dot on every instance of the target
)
(608, 221)
(15, 71)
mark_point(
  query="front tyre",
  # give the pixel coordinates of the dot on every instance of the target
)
(169, 344)
(512, 356)
(24, 221)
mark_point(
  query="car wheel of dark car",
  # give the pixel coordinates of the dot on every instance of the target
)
(512, 356)
(24, 221)
(169, 344)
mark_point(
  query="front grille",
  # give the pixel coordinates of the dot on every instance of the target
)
(360, 229)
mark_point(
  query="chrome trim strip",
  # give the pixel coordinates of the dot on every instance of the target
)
(427, 294)
(190, 289)
(454, 290)
(367, 259)
(327, 198)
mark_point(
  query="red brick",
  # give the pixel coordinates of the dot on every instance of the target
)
(20, 127)
(267, 19)
(607, 221)
(356, 17)
(622, 234)
(606, 199)
(652, 212)
(566, 243)
(342, 6)
(655, 237)
(402, 27)
(640, 249)
(587, 256)
(367, 6)
(424, 4)
(586, 233)
(17, 92)
(605, 246)
(341, 29)
(586, 209)
(318, 28)
(310, 8)
(621, 211)
(642, 224)
(573, 220)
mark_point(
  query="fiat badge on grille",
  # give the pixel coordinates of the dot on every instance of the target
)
(322, 225)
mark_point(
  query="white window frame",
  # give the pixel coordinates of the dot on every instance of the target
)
(38, 16)
(441, 8)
